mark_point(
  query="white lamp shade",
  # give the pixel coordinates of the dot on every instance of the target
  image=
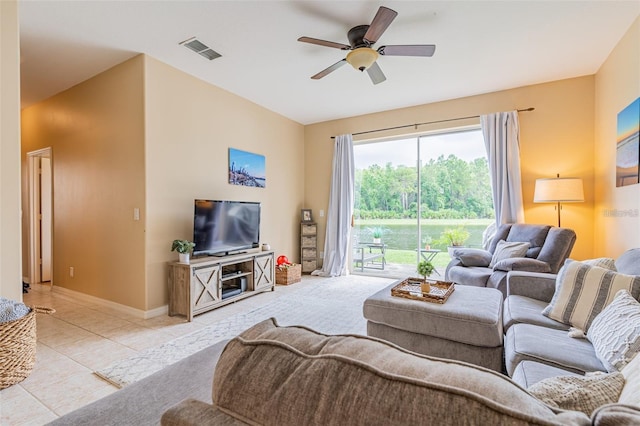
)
(558, 190)
(362, 58)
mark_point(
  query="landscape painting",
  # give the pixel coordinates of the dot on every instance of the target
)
(628, 146)
(247, 169)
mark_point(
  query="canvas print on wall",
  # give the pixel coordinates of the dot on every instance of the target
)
(247, 169)
(628, 146)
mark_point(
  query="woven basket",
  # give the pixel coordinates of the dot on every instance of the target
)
(290, 275)
(18, 347)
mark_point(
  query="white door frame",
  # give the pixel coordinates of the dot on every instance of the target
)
(33, 177)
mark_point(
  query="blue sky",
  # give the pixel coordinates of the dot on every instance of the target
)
(465, 145)
(253, 163)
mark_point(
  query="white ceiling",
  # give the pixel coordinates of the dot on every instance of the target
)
(482, 46)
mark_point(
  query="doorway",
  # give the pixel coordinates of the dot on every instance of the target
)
(40, 207)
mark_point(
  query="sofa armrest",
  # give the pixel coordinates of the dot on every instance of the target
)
(472, 256)
(531, 284)
(192, 412)
(522, 264)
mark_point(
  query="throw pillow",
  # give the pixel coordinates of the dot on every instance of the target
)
(583, 291)
(579, 393)
(602, 262)
(615, 332)
(631, 391)
(507, 250)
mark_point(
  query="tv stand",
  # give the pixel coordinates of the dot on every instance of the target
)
(209, 283)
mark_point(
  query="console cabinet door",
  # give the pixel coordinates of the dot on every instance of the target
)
(263, 271)
(205, 288)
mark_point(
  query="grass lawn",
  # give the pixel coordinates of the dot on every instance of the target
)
(408, 257)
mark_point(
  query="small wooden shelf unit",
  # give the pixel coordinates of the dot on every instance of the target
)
(308, 247)
(212, 282)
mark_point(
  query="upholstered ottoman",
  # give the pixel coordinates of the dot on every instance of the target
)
(467, 327)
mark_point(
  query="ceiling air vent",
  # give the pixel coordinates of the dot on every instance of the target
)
(200, 48)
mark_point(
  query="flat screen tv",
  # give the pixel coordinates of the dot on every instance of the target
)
(223, 227)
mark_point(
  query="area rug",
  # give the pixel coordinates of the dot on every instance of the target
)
(328, 305)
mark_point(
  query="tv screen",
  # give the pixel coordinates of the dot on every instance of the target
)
(222, 227)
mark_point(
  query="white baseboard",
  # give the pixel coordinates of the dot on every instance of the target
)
(138, 313)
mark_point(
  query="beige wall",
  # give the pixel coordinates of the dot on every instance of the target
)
(96, 132)
(555, 138)
(10, 241)
(190, 127)
(145, 135)
(617, 84)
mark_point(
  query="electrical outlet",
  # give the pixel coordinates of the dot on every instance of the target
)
(71, 271)
(321, 213)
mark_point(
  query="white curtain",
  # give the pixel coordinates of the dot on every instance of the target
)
(336, 242)
(502, 141)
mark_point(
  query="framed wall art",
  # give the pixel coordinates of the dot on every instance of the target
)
(247, 169)
(627, 145)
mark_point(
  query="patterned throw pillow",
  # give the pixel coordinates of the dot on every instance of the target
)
(507, 250)
(602, 262)
(579, 393)
(583, 291)
(615, 332)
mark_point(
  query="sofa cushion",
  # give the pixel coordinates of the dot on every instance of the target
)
(522, 264)
(581, 393)
(476, 276)
(615, 332)
(629, 262)
(583, 291)
(616, 415)
(535, 235)
(293, 376)
(522, 309)
(548, 346)
(529, 372)
(507, 250)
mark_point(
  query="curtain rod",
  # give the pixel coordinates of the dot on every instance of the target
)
(428, 122)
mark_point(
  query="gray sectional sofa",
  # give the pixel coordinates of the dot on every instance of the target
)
(537, 347)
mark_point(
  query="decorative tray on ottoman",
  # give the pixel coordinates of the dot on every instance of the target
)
(411, 289)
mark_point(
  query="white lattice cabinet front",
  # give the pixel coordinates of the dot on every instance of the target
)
(211, 282)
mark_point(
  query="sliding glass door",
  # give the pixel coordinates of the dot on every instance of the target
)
(409, 191)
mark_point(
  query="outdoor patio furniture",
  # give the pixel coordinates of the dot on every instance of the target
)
(369, 255)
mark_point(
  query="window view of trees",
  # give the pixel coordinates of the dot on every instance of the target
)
(451, 191)
(451, 188)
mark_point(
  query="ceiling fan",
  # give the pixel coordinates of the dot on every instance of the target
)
(362, 56)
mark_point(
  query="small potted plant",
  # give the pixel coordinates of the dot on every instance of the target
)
(376, 233)
(427, 242)
(454, 237)
(184, 248)
(425, 268)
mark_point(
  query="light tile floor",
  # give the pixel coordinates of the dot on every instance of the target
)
(82, 337)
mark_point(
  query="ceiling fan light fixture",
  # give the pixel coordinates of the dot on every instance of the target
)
(362, 58)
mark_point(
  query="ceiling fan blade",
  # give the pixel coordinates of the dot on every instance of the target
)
(380, 22)
(376, 74)
(330, 69)
(324, 43)
(408, 50)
